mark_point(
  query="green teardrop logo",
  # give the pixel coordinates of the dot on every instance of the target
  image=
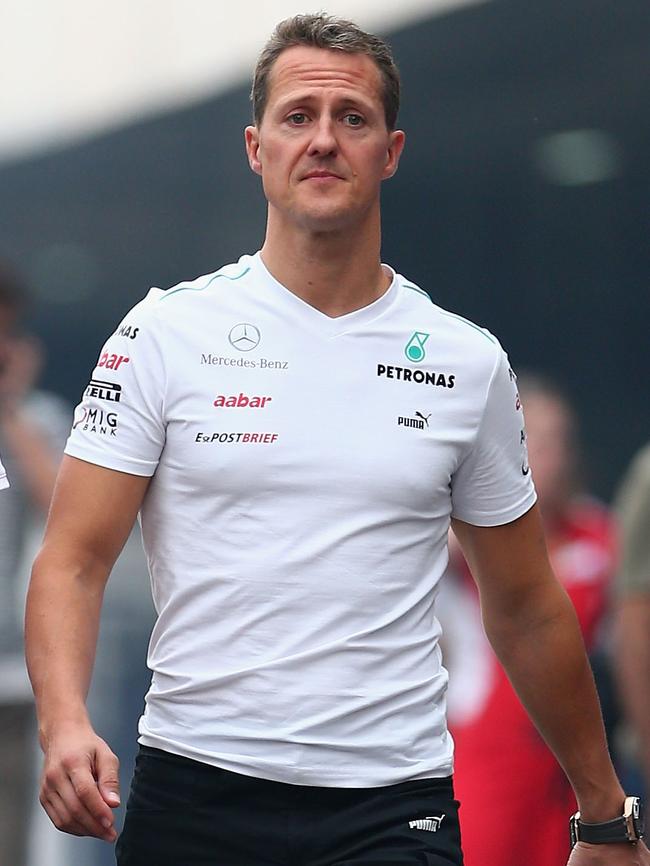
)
(414, 350)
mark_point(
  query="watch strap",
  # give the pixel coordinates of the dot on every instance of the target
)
(628, 827)
(606, 831)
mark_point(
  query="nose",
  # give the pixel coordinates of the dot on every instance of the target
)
(323, 141)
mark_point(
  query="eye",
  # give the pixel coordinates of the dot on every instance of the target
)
(298, 118)
(352, 119)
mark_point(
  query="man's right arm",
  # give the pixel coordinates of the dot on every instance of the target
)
(93, 510)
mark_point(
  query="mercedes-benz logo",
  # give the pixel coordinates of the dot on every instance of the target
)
(244, 337)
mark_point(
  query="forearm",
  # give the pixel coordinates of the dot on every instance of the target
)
(61, 627)
(633, 669)
(540, 646)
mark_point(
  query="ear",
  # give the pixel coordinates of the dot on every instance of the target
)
(396, 142)
(252, 138)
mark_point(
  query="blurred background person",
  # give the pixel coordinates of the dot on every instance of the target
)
(632, 643)
(508, 782)
(33, 430)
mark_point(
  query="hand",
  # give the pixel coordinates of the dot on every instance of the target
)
(80, 785)
(620, 854)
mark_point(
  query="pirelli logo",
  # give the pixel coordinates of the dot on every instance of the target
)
(430, 823)
(110, 391)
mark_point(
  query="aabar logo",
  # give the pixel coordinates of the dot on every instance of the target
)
(241, 402)
(112, 362)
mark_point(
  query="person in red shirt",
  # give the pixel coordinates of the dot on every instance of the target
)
(508, 782)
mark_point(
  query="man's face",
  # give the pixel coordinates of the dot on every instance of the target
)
(322, 147)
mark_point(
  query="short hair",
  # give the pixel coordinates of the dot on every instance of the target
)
(326, 31)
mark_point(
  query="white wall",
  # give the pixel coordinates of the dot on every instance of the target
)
(70, 67)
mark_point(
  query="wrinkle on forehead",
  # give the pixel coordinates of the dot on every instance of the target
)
(324, 68)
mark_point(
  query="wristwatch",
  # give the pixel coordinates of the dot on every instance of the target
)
(630, 827)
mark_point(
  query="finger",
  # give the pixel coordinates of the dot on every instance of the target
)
(59, 811)
(85, 787)
(77, 792)
(107, 768)
(58, 814)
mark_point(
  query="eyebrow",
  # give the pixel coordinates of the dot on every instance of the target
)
(306, 98)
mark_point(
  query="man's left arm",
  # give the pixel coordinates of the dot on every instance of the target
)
(534, 631)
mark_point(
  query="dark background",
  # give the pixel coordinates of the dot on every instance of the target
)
(558, 269)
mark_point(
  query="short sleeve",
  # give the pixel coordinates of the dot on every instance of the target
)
(4, 481)
(120, 422)
(633, 512)
(493, 483)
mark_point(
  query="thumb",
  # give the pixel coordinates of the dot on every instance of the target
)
(107, 768)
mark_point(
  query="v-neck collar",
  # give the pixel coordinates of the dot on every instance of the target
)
(330, 325)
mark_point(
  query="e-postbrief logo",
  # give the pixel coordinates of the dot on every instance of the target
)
(236, 438)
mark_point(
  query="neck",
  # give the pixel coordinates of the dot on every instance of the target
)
(336, 272)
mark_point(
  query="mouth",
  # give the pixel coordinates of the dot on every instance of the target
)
(322, 175)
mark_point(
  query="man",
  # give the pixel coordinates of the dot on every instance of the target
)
(33, 428)
(297, 430)
(633, 604)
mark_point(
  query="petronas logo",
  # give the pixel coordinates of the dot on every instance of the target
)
(414, 349)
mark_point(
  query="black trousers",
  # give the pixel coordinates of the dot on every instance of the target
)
(185, 813)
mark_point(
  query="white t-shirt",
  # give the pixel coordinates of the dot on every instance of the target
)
(305, 469)
(4, 481)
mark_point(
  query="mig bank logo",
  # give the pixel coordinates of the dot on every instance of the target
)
(414, 349)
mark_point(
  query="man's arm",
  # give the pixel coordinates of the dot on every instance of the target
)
(534, 631)
(93, 511)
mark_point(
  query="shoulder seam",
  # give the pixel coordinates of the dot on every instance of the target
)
(418, 290)
(216, 276)
(467, 322)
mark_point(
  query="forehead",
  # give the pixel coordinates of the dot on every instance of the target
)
(304, 68)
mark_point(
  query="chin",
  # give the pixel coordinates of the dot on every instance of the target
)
(330, 219)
